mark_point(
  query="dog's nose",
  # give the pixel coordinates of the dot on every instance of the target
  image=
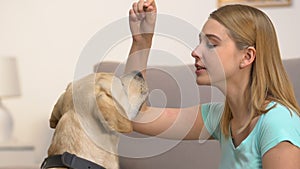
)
(138, 74)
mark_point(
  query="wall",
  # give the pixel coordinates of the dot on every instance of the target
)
(47, 37)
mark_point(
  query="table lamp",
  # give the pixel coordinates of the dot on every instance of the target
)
(9, 87)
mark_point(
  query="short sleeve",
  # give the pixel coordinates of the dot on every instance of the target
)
(211, 114)
(279, 125)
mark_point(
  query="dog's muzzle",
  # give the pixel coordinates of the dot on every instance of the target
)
(71, 161)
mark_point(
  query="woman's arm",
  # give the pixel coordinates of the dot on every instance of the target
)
(284, 155)
(142, 18)
(174, 123)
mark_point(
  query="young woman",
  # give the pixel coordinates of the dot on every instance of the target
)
(258, 125)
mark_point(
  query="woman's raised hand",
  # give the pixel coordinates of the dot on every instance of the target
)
(142, 18)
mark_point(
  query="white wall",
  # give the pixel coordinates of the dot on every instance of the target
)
(47, 37)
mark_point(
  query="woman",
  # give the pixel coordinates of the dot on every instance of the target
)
(258, 126)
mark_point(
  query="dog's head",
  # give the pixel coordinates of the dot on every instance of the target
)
(103, 100)
(119, 99)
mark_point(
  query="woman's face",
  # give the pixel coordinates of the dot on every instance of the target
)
(217, 58)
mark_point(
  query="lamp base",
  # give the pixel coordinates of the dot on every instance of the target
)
(6, 124)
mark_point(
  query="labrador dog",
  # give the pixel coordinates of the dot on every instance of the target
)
(88, 117)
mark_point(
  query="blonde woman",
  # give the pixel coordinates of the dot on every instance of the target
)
(258, 125)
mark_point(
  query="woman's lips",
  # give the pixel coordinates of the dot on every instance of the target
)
(200, 69)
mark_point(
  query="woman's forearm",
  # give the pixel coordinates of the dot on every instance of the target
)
(138, 56)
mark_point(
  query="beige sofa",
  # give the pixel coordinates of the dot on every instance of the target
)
(175, 87)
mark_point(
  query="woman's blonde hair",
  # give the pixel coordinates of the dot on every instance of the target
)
(248, 26)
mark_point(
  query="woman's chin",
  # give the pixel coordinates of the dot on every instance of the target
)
(202, 82)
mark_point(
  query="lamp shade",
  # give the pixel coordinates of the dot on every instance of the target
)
(9, 80)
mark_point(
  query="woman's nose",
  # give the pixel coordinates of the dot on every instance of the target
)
(195, 53)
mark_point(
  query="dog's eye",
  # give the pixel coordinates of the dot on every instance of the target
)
(108, 95)
(102, 94)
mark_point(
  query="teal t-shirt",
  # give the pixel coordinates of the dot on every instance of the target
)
(278, 125)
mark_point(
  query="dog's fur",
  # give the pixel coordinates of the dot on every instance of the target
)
(89, 114)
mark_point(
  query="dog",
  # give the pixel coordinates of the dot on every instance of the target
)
(88, 117)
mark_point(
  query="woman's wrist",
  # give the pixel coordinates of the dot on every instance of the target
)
(142, 44)
(143, 39)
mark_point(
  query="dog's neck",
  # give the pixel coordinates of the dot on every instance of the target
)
(70, 137)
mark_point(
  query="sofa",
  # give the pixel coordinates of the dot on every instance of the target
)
(174, 86)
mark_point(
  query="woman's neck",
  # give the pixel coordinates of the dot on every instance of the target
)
(236, 93)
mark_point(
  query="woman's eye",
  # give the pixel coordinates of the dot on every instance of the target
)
(210, 45)
(207, 42)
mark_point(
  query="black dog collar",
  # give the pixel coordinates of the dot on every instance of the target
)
(70, 161)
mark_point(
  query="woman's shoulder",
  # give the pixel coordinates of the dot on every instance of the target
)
(279, 124)
(212, 109)
(280, 119)
(213, 106)
(211, 114)
(279, 112)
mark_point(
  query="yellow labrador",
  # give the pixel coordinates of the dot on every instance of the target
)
(87, 118)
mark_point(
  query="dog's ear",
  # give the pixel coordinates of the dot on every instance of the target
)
(56, 112)
(63, 104)
(114, 115)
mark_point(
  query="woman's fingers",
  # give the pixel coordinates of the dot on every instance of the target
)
(132, 15)
(135, 7)
(141, 6)
(142, 17)
(149, 2)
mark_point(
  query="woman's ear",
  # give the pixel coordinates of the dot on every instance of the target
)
(248, 57)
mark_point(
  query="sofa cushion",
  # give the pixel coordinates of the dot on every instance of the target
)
(292, 67)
